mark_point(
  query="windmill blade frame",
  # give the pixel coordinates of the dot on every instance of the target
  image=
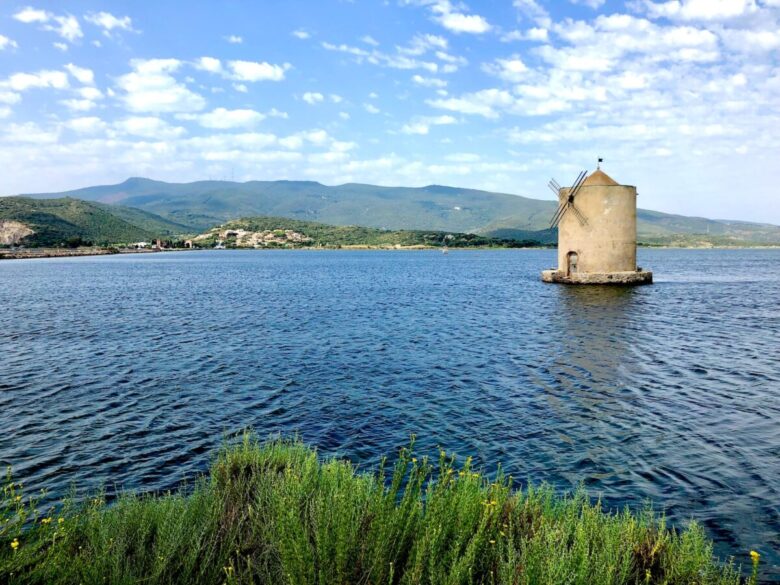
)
(565, 204)
(578, 214)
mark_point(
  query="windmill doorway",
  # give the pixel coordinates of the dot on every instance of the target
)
(571, 263)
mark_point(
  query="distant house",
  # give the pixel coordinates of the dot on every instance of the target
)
(140, 245)
(188, 244)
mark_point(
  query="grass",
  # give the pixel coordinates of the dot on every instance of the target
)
(274, 512)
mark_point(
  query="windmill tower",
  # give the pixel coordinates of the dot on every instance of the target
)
(596, 221)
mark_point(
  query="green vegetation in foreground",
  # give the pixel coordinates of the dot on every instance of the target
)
(332, 236)
(274, 513)
(57, 221)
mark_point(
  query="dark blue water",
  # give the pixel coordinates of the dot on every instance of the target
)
(127, 370)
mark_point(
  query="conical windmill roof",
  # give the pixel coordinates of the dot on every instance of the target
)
(599, 178)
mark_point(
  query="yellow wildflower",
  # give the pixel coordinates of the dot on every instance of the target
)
(15, 544)
(755, 556)
(45, 520)
(18, 499)
(60, 520)
(414, 459)
(492, 542)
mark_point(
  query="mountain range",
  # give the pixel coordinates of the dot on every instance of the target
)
(195, 207)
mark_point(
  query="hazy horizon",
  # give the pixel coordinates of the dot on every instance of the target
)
(679, 97)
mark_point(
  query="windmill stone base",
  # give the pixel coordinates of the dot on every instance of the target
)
(635, 277)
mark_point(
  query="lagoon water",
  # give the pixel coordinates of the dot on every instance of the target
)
(128, 370)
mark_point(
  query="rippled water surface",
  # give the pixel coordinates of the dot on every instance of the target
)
(128, 370)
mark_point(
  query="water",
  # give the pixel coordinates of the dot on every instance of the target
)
(127, 370)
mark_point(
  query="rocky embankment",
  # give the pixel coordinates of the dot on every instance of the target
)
(26, 253)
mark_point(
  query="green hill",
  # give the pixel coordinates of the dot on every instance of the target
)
(280, 232)
(55, 221)
(204, 204)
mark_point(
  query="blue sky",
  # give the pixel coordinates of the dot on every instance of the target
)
(681, 97)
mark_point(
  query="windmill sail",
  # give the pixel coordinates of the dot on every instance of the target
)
(568, 201)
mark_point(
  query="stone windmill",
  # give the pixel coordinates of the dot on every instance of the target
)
(596, 221)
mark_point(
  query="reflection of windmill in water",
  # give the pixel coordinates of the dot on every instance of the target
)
(596, 221)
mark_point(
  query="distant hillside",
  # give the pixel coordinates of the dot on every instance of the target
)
(280, 232)
(55, 221)
(204, 204)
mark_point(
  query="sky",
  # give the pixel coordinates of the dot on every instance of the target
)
(680, 97)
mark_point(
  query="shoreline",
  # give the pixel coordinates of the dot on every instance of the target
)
(31, 253)
(34, 253)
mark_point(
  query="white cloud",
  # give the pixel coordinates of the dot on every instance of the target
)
(9, 97)
(536, 34)
(82, 75)
(512, 69)
(594, 4)
(67, 26)
(371, 108)
(533, 10)
(240, 87)
(234, 39)
(6, 43)
(468, 23)
(421, 125)
(257, 71)
(87, 98)
(704, 10)
(41, 79)
(422, 43)
(30, 132)
(296, 141)
(336, 98)
(485, 103)
(312, 98)
(369, 40)
(151, 87)
(428, 81)
(453, 18)
(222, 118)
(86, 125)
(751, 40)
(29, 15)
(60, 46)
(108, 22)
(408, 56)
(149, 127)
(210, 64)
(344, 115)
(301, 34)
